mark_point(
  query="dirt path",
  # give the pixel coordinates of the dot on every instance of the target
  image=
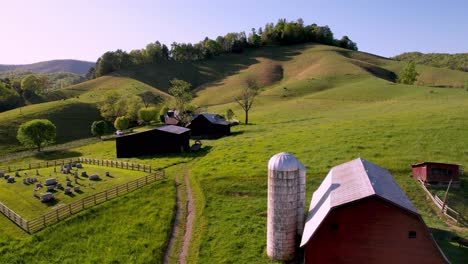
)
(189, 223)
(184, 217)
(175, 225)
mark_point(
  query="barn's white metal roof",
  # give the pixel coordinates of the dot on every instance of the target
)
(348, 182)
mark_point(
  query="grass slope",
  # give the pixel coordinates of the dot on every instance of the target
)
(130, 229)
(327, 106)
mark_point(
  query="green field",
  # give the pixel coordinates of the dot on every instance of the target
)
(19, 196)
(323, 104)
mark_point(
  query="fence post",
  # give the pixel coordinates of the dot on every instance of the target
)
(69, 209)
(57, 213)
(43, 220)
(29, 165)
(150, 168)
(127, 186)
(82, 203)
(94, 197)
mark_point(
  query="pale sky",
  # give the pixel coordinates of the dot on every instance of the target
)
(38, 30)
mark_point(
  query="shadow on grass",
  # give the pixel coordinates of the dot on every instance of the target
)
(57, 154)
(236, 133)
(451, 249)
(200, 153)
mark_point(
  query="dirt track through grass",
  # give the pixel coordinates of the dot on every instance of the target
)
(189, 223)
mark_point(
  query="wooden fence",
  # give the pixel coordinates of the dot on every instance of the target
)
(35, 165)
(67, 210)
(55, 163)
(117, 164)
(14, 217)
(446, 210)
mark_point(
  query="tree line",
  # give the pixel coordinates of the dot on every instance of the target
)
(442, 60)
(18, 88)
(282, 33)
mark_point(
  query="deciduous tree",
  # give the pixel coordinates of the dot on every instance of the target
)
(409, 74)
(247, 97)
(121, 123)
(37, 133)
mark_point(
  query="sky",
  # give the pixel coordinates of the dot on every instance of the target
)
(39, 30)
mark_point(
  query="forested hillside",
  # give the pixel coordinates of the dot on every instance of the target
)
(457, 61)
(52, 66)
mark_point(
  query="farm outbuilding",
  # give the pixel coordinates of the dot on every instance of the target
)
(360, 215)
(434, 173)
(209, 126)
(165, 139)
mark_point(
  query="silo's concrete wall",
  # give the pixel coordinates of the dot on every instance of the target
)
(286, 201)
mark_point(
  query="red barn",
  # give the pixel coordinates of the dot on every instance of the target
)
(434, 173)
(360, 215)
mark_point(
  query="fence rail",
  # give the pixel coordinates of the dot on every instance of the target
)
(446, 210)
(100, 162)
(64, 211)
(117, 164)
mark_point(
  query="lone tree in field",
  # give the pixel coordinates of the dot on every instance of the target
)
(180, 90)
(37, 133)
(98, 128)
(247, 97)
(408, 75)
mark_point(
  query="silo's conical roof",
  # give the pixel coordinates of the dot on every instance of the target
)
(284, 162)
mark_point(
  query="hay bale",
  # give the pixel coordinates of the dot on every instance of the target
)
(94, 177)
(50, 181)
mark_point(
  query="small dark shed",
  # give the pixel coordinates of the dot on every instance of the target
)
(165, 139)
(209, 126)
(434, 173)
(359, 214)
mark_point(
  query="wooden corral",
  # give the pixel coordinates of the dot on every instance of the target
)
(165, 139)
(435, 174)
(360, 215)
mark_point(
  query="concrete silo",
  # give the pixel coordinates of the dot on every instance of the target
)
(286, 201)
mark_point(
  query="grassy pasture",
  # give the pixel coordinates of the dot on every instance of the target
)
(19, 196)
(337, 105)
(131, 229)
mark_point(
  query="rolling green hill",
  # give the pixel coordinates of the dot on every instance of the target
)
(52, 66)
(323, 104)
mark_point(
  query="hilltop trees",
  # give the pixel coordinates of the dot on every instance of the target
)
(408, 75)
(37, 133)
(282, 33)
(247, 97)
(147, 114)
(116, 105)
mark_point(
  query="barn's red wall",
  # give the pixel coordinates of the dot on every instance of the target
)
(424, 171)
(371, 231)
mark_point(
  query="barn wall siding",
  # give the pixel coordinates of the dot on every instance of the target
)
(371, 231)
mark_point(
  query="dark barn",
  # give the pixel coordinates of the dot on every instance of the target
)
(359, 214)
(209, 126)
(165, 139)
(434, 173)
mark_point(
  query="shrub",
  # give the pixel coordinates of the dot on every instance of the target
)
(121, 123)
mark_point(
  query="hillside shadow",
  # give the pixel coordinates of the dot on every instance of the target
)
(57, 154)
(443, 238)
(370, 65)
(211, 70)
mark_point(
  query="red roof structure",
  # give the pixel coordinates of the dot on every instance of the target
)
(359, 214)
(436, 173)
